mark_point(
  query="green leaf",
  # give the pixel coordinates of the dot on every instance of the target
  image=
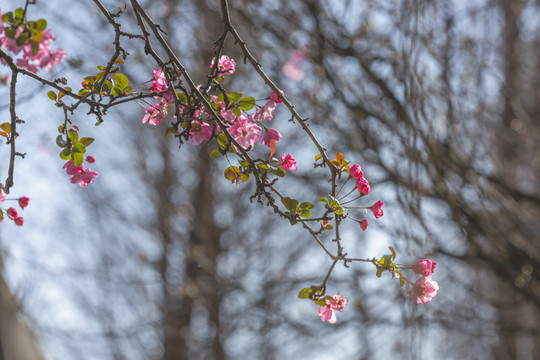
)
(78, 159)
(219, 79)
(22, 40)
(73, 136)
(304, 293)
(317, 157)
(222, 140)
(235, 96)
(19, 13)
(119, 61)
(320, 302)
(1, 215)
(41, 24)
(379, 272)
(215, 154)
(244, 177)
(277, 171)
(117, 91)
(65, 154)
(305, 214)
(79, 148)
(52, 95)
(247, 103)
(290, 204)
(128, 89)
(121, 79)
(86, 141)
(60, 141)
(35, 47)
(10, 32)
(107, 85)
(182, 97)
(306, 206)
(401, 281)
(232, 173)
(7, 17)
(393, 252)
(323, 199)
(100, 67)
(61, 129)
(328, 227)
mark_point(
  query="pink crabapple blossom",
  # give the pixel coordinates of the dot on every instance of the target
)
(424, 267)
(288, 162)
(269, 135)
(155, 113)
(225, 65)
(245, 132)
(199, 132)
(424, 290)
(327, 313)
(80, 175)
(19, 221)
(363, 186)
(159, 82)
(273, 96)
(91, 159)
(266, 112)
(2, 193)
(23, 201)
(377, 209)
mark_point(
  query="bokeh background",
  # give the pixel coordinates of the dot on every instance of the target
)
(162, 258)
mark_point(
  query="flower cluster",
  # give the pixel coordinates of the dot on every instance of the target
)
(246, 128)
(31, 40)
(11, 212)
(424, 289)
(327, 311)
(80, 175)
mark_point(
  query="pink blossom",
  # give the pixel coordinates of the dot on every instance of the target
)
(23, 201)
(2, 193)
(424, 290)
(266, 112)
(214, 99)
(269, 135)
(327, 313)
(229, 116)
(12, 213)
(363, 186)
(424, 267)
(288, 162)
(377, 209)
(199, 132)
(273, 96)
(364, 224)
(355, 171)
(91, 159)
(293, 67)
(160, 81)
(80, 175)
(225, 65)
(155, 113)
(19, 221)
(245, 132)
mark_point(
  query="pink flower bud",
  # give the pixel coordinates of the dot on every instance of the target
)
(12, 213)
(364, 224)
(2, 195)
(424, 267)
(19, 221)
(91, 159)
(355, 171)
(273, 97)
(377, 209)
(363, 186)
(23, 201)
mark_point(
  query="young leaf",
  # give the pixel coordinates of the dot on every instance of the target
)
(215, 154)
(78, 159)
(6, 127)
(85, 141)
(235, 96)
(60, 141)
(393, 252)
(52, 95)
(41, 24)
(121, 80)
(247, 103)
(304, 293)
(65, 154)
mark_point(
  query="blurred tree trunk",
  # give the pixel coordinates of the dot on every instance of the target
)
(17, 341)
